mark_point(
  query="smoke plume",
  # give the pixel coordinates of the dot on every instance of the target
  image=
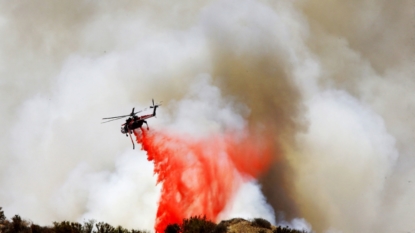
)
(328, 83)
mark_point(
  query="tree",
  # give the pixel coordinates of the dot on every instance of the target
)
(2, 217)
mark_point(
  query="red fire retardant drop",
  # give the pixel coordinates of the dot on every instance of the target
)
(200, 175)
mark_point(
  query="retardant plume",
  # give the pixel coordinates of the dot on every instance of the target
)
(200, 176)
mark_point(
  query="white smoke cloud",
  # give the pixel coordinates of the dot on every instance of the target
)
(299, 224)
(348, 154)
(249, 203)
(204, 110)
(127, 196)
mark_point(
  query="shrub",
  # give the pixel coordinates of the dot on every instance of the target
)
(104, 227)
(172, 228)
(220, 228)
(88, 226)
(120, 229)
(18, 225)
(38, 229)
(2, 217)
(67, 227)
(138, 231)
(260, 222)
(76, 227)
(197, 224)
(286, 230)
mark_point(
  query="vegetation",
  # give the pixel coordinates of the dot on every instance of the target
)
(196, 224)
(202, 225)
(260, 222)
(286, 230)
(172, 228)
(2, 217)
(18, 225)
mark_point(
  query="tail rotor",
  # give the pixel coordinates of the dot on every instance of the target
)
(155, 105)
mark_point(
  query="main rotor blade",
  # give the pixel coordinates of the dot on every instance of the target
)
(111, 120)
(106, 118)
(118, 117)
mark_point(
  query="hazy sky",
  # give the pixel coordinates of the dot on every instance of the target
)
(333, 81)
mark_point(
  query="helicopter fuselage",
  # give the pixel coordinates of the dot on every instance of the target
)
(136, 122)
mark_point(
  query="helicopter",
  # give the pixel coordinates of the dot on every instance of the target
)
(133, 122)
